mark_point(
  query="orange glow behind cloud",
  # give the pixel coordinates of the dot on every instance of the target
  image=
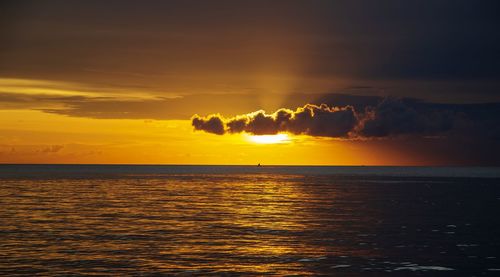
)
(30, 135)
(37, 137)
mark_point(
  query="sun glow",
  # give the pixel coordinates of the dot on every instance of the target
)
(270, 139)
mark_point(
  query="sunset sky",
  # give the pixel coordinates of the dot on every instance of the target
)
(242, 82)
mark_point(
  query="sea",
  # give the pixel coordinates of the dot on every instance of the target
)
(154, 220)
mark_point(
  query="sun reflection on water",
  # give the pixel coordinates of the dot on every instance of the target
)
(262, 223)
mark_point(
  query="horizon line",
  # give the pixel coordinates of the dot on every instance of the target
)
(251, 165)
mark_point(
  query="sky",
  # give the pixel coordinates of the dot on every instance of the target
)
(247, 82)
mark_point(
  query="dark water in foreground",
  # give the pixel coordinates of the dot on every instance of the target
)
(148, 220)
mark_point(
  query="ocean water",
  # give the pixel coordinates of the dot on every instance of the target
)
(237, 220)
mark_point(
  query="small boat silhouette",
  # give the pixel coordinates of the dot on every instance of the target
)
(258, 165)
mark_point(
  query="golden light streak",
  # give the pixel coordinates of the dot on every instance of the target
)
(58, 88)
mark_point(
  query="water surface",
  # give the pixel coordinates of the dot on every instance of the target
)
(204, 220)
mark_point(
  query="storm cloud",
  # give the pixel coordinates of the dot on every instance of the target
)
(312, 120)
(390, 117)
(439, 50)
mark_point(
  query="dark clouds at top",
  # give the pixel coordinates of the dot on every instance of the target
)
(393, 117)
(442, 46)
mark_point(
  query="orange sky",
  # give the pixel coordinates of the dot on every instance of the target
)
(32, 133)
(36, 137)
(30, 136)
(35, 128)
(118, 81)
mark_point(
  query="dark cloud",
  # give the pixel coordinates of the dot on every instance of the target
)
(310, 120)
(212, 124)
(393, 117)
(390, 117)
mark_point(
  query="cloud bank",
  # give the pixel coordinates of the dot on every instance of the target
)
(390, 117)
(310, 120)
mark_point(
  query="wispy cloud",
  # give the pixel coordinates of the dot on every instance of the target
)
(81, 100)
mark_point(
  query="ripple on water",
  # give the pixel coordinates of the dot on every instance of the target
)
(415, 267)
(202, 224)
